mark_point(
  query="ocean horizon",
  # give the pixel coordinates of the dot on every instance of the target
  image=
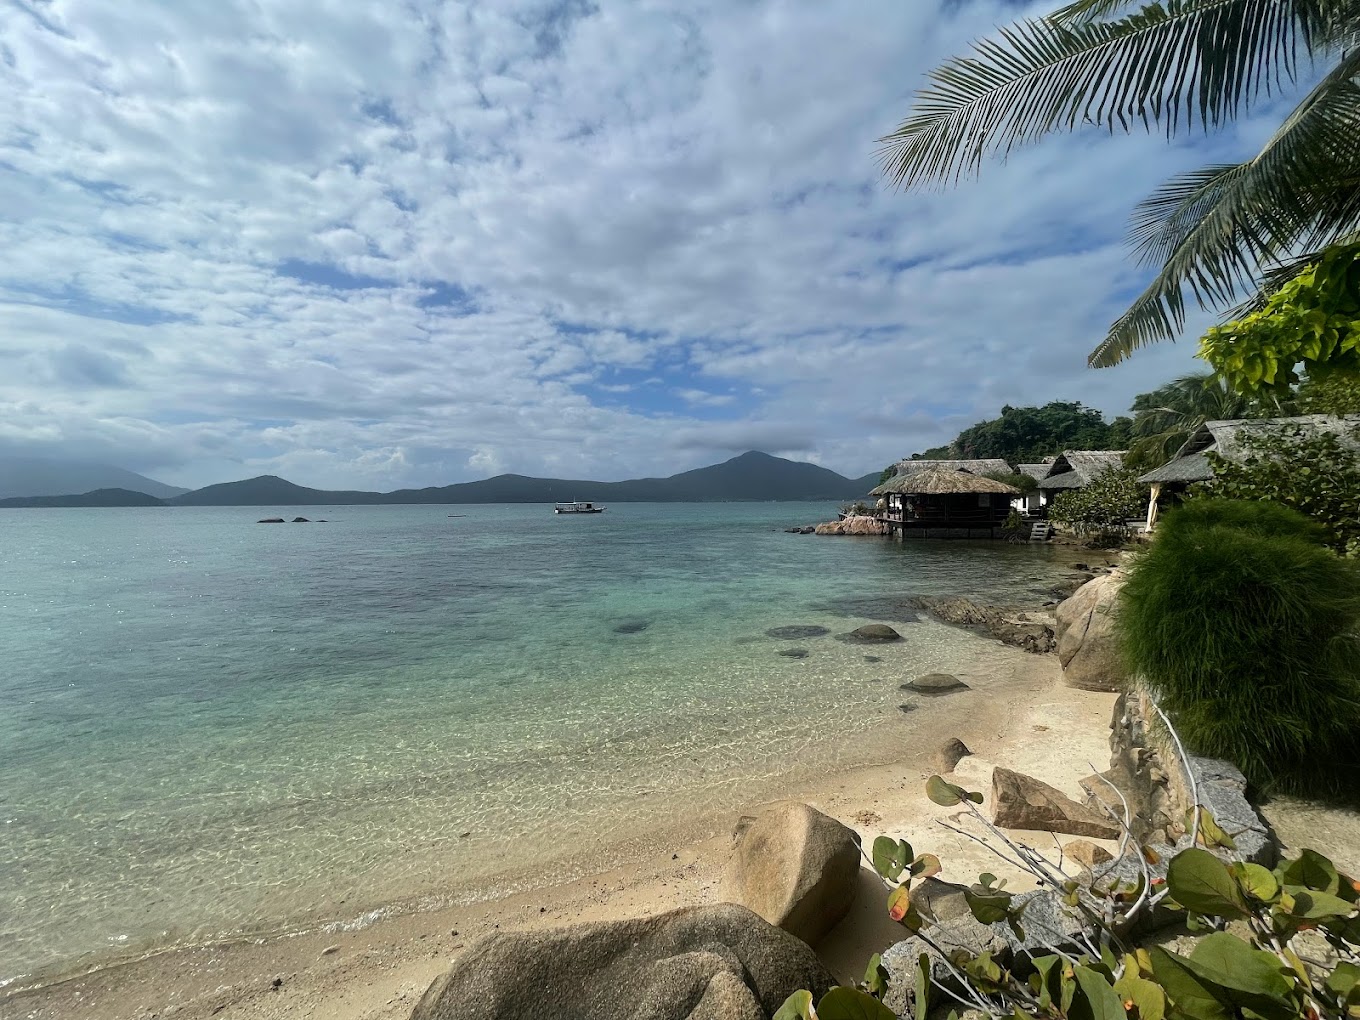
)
(215, 727)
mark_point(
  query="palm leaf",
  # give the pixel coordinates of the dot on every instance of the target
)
(1215, 229)
(1176, 64)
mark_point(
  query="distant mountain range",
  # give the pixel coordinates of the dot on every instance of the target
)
(31, 476)
(751, 476)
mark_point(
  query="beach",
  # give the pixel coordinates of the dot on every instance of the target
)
(1022, 717)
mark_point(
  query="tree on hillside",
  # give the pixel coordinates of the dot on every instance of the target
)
(1029, 434)
(1165, 418)
(1176, 66)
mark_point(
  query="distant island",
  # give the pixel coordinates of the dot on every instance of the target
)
(751, 476)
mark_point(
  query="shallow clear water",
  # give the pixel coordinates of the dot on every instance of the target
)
(208, 724)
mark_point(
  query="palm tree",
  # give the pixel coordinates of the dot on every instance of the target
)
(1166, 417)
(1219, 232)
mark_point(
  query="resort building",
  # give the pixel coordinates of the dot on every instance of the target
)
(1191, 463)
(1076, 469)
(1033, 502)
(940, 501)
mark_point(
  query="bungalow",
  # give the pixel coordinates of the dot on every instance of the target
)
(1034, 501)
(1076, 469)
(1225, 438)
(952, 501)
(983, 466)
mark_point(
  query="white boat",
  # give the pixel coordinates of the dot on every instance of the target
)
(578, 508)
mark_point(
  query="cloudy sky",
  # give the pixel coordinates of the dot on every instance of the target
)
(374, 243)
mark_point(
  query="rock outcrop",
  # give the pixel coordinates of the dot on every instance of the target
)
(853, 526)
(795, 867)
(699, 963)
(1018, 627)
(951, 752)
(1023, 802)
(1088, 647)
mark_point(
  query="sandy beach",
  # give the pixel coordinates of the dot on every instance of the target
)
(377, 967)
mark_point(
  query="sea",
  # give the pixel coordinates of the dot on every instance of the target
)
(211, 727)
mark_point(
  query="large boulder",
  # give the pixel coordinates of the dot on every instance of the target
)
(1088, 648)
(875, 632)
(718, 962)
(1023, 802)
(795, 867)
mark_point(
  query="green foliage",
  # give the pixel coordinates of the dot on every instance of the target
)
(1025, 435)
(1245, 625)
(1337, 393)
(1311, 324)
(1313, 472)
(1179, 66)
(1104, 507)
(1165, 418)
(1252, 972)
(1024, 483)
(888, 472)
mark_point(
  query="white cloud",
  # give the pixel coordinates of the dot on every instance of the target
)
(361, 243)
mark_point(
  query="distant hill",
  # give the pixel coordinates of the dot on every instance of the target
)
(99, 497)
(751, 476)
(35, 476)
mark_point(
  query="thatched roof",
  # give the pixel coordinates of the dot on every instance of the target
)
(993, 466)
(937, 480)
(1074, 469)
(1191, 463)
(1035, 471)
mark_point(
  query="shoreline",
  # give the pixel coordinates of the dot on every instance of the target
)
(378, 963)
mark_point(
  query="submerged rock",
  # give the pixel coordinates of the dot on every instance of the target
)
(698, 963)
(301, 520)
(793, 653)
(797, 631)
(936, 684)
(795, 867)
(270, 520)
(875, 632)
(632, 627)
(873, 658)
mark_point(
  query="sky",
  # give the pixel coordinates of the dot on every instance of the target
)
(410, 242)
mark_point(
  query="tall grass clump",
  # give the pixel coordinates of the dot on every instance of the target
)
(1246, 627)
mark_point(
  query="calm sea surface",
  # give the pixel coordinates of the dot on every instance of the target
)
(209, 725)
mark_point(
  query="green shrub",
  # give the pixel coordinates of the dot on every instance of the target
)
(1104, 507)
(1246, 627)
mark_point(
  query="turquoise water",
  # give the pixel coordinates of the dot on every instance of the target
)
(211, 726)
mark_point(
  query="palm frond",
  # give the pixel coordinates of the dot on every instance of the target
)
(1092, 10)
(1215, 229)
(1185, 62)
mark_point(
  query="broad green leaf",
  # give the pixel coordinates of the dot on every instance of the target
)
(797, 1006)
(1200, 882)
(1311, 870)
(1313, 905)
(1048, 985)
(1101, 1002)
(988, 905)
(926, 866)
(1256, 881)
(852, 1004)
(1211, 834)
(1228, 962)
(1343, 979)
(1144, 995)
(922, 1005)
(1191, 996)
(876, 977)
(888, 857)
(943, 793)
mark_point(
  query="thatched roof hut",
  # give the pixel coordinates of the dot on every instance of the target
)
(984, 466)
(1191, 463)
(1035, 471)
(1076, 469)
(938, 480)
